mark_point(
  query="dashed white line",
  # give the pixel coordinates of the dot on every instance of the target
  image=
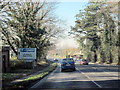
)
(89, 78)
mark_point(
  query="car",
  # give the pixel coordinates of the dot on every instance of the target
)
(67, 63)
(55, 59)
(84, 61)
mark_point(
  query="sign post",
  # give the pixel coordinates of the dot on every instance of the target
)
(28, 55)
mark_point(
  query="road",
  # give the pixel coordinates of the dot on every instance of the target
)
(85, 76)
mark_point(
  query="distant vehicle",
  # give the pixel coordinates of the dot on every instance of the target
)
(84, 61)
(55, 59)
(51, 60)
(67, 63)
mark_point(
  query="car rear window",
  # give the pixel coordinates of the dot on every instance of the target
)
(84, 60)
(67, 60)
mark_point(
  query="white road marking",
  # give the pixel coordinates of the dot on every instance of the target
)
(89, 78)
(43, 79)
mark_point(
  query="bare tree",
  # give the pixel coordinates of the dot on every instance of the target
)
(30, 24)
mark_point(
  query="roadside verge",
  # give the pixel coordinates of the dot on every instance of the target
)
(29, 80)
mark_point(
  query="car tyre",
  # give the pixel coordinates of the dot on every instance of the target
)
(74, 69)
(62, 70)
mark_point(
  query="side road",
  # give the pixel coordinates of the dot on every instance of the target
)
(27, 81)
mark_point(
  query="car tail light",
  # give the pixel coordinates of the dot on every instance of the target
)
(63, 64)
(72, 63)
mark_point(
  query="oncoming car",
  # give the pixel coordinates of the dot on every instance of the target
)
(67, 63)
(84, 61)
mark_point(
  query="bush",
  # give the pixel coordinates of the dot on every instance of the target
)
(17, 64)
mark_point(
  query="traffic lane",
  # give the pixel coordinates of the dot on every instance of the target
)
(108, 69)
(114, 68)
(97, 68)
(99, 76)
(65, 80)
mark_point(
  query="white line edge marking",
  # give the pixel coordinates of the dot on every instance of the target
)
(89, 78)
(42, 80)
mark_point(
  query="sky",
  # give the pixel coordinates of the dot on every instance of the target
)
(67, 11)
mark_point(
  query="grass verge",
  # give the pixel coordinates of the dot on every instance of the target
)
(25, 83)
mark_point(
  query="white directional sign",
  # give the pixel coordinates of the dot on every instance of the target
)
(27, 53)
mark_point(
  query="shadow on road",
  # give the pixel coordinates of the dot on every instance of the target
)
(71, 84)
(98, 68)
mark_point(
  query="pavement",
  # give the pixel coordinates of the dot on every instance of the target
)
(85, 76)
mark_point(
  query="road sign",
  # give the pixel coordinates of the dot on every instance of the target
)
(27, 53)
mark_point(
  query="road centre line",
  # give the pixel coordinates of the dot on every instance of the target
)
(89, 78)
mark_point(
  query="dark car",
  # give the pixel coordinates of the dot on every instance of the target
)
(67, 63)
(84, 61)
(55, 59)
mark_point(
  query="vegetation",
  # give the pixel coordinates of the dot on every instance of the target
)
(29, 25)
(96, 31)
(42, 74)
(28, 81)
(18, 70)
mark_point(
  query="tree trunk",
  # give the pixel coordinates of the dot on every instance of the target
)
(110, 58)
(118, 47)
(95, 57)
(119, 55)
(102, 57)
(12, 47)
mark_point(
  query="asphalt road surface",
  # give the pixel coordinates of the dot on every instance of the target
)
(85, 76)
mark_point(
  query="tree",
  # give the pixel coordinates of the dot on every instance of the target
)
(97, 24)
(86, 24)
(29, 22)
(3, 4)
(108, 26)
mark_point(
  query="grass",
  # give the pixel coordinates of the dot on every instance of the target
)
(18, 72)
(28, 81)
(7, 77)
(42, 74)
(54, 64)
(36, 76)
(13, 58)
